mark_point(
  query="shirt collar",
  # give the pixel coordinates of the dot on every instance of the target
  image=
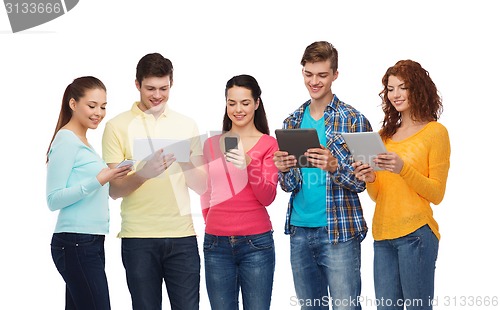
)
(138, 112)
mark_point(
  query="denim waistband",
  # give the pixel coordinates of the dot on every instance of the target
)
(236, 238)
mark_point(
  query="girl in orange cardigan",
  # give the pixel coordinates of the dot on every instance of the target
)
(415, 170)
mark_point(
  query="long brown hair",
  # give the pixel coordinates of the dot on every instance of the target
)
(260, 118)
(423, 97)
(75, 91)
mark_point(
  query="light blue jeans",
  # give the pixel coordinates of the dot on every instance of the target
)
(320, 267)
(239, 261)
(404, 271)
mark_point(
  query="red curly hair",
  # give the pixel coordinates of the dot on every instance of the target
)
(423, 97)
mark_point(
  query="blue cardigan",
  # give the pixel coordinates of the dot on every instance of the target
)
(72, 186)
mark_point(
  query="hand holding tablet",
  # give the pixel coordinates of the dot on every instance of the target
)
(364, 146)
(296, 142)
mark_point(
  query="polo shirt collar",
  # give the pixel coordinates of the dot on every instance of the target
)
(137, 111)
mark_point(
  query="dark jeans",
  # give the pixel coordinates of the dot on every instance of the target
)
(79, 258)
(150, 261)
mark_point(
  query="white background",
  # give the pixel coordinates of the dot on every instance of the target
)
(209, 42)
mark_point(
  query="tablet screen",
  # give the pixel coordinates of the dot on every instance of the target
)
(296, 142)
(364, 146)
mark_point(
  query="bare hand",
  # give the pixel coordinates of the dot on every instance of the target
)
(389, 161)
(283, 161)
(322, 158)
(108, 174)
(237, 158)
(156, 165)
(364, 172)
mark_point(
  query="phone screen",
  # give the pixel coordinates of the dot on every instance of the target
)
(230, 143)
(126, 162)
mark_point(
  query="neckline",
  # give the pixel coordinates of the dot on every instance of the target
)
(78, 138)
(413, 135)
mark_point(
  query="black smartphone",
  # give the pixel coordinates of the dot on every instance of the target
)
(230, 143)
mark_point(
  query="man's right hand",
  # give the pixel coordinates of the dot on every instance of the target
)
(283, 161)
(156, 165)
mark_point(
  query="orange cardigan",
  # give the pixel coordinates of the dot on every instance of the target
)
(403, 200)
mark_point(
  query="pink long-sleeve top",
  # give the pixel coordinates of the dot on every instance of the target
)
(236, 199)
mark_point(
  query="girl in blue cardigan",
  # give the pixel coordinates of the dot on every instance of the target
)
(77, 186)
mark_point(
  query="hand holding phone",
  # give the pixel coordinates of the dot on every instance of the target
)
(230, 143)
(126, 162)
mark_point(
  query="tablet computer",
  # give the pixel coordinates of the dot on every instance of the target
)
(364, 146)
(296, 142)
(143, 148)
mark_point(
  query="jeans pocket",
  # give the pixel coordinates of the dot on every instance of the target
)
(58, 256)
(209, 242)
(262, 242)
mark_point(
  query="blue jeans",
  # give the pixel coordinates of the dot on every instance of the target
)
(79, 258)
(150, 261)
(320, 267)
(404, 270)
(239, 261)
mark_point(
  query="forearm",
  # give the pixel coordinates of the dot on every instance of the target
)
(196, 179)
(60, 198)
(290, 180)
(431, 188)
(344, 177)
(195, 174)
(125, 186)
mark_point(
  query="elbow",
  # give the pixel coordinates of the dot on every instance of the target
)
(437, 200)
(113, 193)
(51, 204)
(201, 189)
(266, 201)
(438, 196)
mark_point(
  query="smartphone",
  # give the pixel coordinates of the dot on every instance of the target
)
(230, 143)
(126, 162)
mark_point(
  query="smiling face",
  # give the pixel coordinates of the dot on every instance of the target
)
(90, 109)
(397, 93)
(154, 92)
(240, 106)
(318, 78)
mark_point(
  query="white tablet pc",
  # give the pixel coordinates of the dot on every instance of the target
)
(296, 142)
(146, 147)
(364, 146)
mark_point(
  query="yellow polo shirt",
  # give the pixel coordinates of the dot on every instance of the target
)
(159, 208)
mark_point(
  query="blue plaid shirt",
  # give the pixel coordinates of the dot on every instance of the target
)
(343, 209)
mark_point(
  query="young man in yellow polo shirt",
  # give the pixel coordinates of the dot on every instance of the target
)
(158, 238)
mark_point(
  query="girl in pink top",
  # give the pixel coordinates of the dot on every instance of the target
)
(239, 246)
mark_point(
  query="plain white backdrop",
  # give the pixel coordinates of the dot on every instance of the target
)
(208, 43)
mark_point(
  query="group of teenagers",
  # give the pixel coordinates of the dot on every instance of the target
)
(324, 218)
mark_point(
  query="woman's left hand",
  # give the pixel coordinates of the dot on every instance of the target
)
(389, 161)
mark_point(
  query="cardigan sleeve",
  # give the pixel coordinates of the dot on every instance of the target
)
(433, 186)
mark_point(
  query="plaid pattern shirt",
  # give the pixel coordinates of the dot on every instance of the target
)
(343, 209)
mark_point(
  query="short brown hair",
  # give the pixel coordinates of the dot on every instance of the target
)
(321, 51)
